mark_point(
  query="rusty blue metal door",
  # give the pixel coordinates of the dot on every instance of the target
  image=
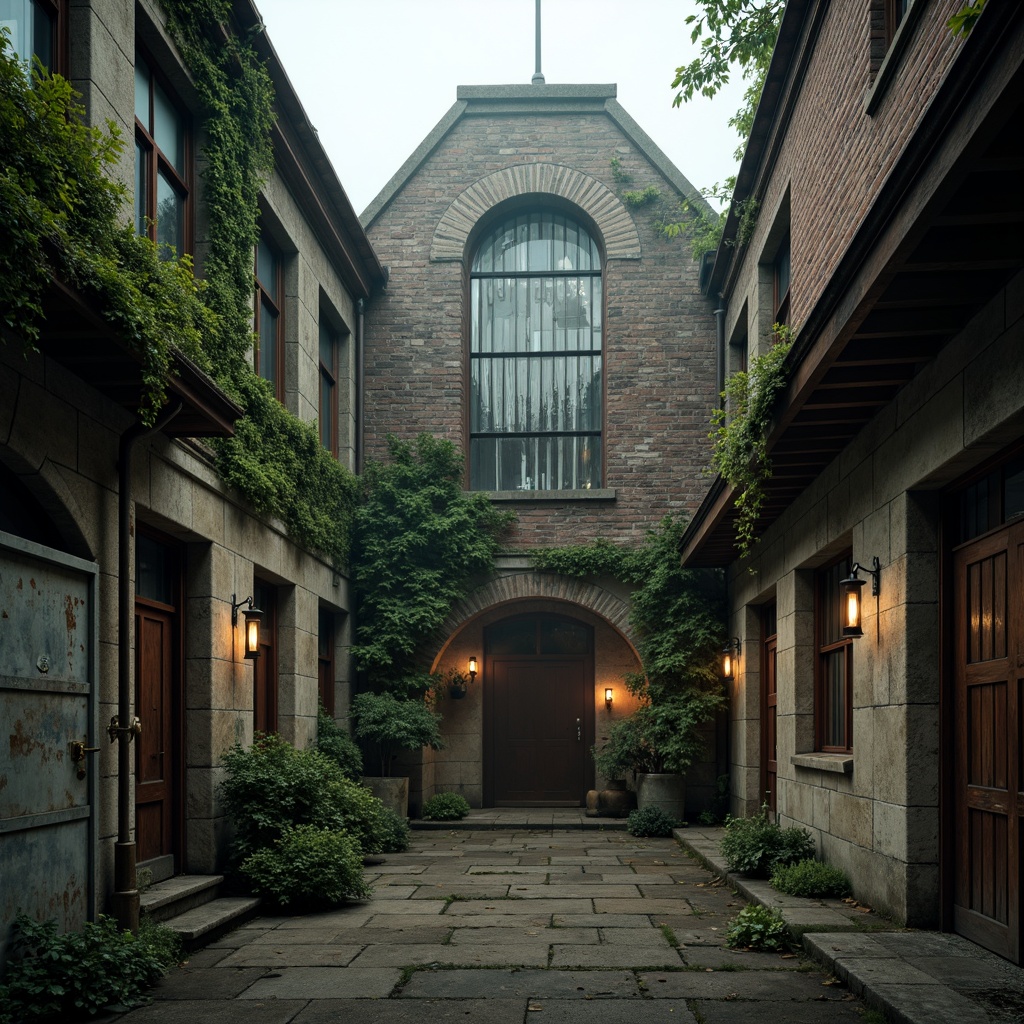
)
(48, 672)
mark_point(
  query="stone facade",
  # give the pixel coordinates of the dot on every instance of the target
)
(824, 167)
(59, 455)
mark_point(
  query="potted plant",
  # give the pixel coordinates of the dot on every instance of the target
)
(391, 724)
(659, 741)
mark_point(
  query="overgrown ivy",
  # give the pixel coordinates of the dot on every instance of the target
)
(62, 216)
(676, 613)
(740, 433)
(419, 541)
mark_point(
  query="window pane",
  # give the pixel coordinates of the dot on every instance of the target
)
(142, 92)
(519, 637)
(141, 191)
(153, 576)
(30, 29)
(170, 215)
(266, 269)
(834, 717)
(268, 342)
(168, 130)
(326, 411)
(563, 637)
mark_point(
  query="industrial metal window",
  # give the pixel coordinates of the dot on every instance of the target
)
(536, 388)
(161, 163)
(833, 699)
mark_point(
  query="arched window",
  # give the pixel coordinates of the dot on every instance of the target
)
(536, 394)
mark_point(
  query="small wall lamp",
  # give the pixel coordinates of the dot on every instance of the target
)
(608, 697)
(253, 615)
(849, 592)
(472, 669)
(729, 657)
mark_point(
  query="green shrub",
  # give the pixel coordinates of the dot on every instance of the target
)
(811, 878)
(272, 786)
(755, 846)
(392, 831)
(336, 743)
(308, 867)
(445, 807)
(74, 975)
(758, 928)
(650, 821)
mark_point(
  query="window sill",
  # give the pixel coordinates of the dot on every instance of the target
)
(841, 764)
(595, 494)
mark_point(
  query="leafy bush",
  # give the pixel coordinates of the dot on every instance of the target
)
(336, 743)
(392, 724)
(391, 831)
(811, 878)
(445, 807)
(758, 928)
(79, 973)
(649, 821)
(755, 846)
(272, 786)
(307, 867)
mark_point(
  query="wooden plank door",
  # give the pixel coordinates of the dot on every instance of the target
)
(156, 788)
(988, 676)
(541, 733)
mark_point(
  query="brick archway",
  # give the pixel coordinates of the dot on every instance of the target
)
(618, 232)
(539, 586)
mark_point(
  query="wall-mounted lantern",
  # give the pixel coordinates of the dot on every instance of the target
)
(472, 668)
(253, 615)
(608, 693)
(730, 653)
(849, 593)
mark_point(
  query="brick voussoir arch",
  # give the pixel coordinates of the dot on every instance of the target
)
(621, 240)
(530, 585)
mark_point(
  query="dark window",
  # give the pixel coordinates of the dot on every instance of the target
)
(536, 389)
(993, 500)
(834, 679)
(34, 30)
(325, 660)
(269, 352)
(264, 670)
(781, 276)
(329, 388)
(895, 12)
(161, 163)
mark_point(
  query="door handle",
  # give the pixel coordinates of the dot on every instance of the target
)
(579, 731)
(78, 749)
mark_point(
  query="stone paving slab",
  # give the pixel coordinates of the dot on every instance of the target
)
(324, 983)
(380, 908)
(574, 891)
(292, 954)
(507, 954)
(577, 920)
(619, 905)
(767, 986)
(279, 936)
(515, 908)
(468, 935)
(397, 1011)
(214, 982)
(734, 1012)
(610, 1011)
(530, 983)
(633, 956)
(206, 1011)
(919, 1004)
(649, 936)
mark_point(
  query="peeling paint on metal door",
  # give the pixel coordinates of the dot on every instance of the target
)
(48, 669)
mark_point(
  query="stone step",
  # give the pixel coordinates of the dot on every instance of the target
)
(204, 923)
(176, 895)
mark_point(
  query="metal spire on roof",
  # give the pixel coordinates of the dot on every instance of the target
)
(538, 78)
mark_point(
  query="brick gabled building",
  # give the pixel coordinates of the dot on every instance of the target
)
(543, 324)
(886, 164)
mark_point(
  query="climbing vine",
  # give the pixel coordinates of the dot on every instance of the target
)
(740, 433)
(418, 542)
(274, 459)
(61, 216)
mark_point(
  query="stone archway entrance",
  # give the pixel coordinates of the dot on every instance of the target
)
(538, 711)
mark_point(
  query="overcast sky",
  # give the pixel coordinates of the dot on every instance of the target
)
(375, 76)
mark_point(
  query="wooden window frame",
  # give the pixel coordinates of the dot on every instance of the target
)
(263, 296)
(827, 648)
(156, 160)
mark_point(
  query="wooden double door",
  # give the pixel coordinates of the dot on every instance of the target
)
(989, 753)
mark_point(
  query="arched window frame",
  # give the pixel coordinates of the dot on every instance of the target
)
(536, 361)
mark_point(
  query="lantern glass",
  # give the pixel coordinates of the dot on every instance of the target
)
(850, 591)
(727, 664)
(252, 632)
(472, 666)
(608, 696)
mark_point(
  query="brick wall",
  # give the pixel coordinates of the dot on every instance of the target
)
(659, 332)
